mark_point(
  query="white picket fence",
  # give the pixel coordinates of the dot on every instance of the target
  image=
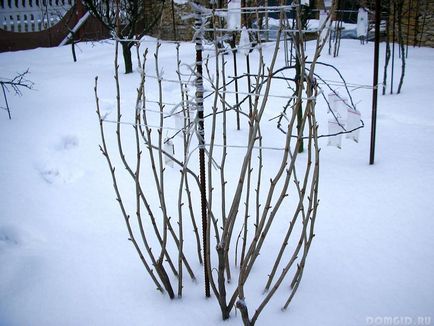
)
(32, 15)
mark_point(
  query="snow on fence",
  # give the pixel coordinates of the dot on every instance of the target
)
(32, 15)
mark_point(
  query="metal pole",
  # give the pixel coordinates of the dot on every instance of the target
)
(201, 132)
(393, 47)
(375, 80)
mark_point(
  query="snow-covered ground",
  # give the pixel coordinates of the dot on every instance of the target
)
(64, 254)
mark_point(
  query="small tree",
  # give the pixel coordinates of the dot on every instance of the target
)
(17, 83)
(127, 20)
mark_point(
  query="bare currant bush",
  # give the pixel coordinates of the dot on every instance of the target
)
(258, 185)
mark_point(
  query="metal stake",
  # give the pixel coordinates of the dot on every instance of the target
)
(375, 80)
(201, 132)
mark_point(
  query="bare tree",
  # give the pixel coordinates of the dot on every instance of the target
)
(15, 84)
(127, 20)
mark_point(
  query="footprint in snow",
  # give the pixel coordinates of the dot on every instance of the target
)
(62, 162)
(67, 142)
(9, 236)
(16, 235)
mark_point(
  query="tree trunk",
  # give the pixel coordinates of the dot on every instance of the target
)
(401, 44)
(126, 52)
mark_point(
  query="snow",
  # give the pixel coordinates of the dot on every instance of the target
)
(234, 14)
(244, 44)
(65, 258)
(362, 23)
